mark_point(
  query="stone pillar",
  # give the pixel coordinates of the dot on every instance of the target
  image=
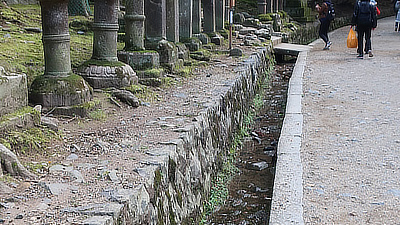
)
(269, 5)
(196, 16)
(134, 27)
(209, 15)
(172, 12)
(280, 5)
(105, 30)
(219, 14)
(133, 54)
(262, 6)
(104, 70)
(155, 11)
(186, 18)
(58, 86)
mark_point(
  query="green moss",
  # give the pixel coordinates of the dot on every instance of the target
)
(171, 170)
(167, 82)
(23, 51)
(168, 195)
(90, 104)
(58, 85)
(179, 198)
(98, 114)
(160, 213)
(154, 72)
(21, 112)
(184, 71)
(265, 17)
(157, 179)
(33, 140)
(172, 217)
(143, 92)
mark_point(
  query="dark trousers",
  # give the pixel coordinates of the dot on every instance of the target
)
(361, 31)
(323, 29)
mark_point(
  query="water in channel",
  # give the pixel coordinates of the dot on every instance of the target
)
(250, 191)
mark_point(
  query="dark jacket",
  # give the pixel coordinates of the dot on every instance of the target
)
(357, 20)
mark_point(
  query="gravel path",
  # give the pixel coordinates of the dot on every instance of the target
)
(351, 140)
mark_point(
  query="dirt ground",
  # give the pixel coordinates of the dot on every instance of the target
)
(95, 156)
(350, 145)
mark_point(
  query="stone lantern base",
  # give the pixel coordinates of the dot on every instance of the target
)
(53, 91)
(106, 74)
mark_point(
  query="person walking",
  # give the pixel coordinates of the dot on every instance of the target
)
(364, 18)
(323, 11)
(397, 16)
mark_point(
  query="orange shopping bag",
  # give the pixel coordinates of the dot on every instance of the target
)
(352, 39)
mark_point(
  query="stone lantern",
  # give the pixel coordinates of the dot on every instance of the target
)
(104, 70)
(58, 86)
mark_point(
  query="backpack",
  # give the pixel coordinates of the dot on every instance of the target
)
(364, 17)
(331, 14)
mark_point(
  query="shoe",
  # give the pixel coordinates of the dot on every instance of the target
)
(360, 56)
(328, 46)
(370, 53)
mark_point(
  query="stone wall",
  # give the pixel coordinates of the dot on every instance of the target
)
(179, 175)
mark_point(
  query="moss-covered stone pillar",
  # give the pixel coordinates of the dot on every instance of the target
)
(58, 86)
(104, 70)
(134, 53)
(134, 28)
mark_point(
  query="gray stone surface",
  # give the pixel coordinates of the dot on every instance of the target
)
(172, 23)
(108, 76)
(342, 166)
(286, 206)
(196, 16)
(13, 92)
(220, 14)
(209, 16)
(350, 147)
(134, 28)
(185, 18)
(140, 60)
(155, 28)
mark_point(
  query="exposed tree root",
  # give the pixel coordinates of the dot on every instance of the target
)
(10, 164)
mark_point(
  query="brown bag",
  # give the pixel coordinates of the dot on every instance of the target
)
(352, 39)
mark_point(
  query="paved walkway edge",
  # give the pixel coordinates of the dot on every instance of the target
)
(287, 199)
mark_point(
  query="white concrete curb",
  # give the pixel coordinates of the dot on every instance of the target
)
(287, 199)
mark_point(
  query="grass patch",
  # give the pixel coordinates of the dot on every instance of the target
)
(27, 141)
(143, 93)
(20, 112)
(22, 50)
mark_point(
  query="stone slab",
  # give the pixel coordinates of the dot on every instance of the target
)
(287, 205)
(290, 49)
(13, 93)
(140, 60)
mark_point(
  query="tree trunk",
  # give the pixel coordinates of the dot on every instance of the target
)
(9, 163)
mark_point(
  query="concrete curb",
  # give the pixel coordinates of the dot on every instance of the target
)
(287, 199)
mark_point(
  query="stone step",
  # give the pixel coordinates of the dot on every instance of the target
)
(290, 49)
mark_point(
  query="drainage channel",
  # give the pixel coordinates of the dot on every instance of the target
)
(250, 192)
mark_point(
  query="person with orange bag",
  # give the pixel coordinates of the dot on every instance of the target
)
(364, 18)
